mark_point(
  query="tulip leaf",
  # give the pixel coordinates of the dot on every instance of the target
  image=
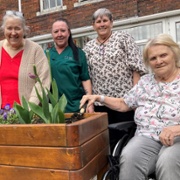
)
(38, 110)
(25, 103)
(45, 106)
(23, 114)
(57, 115)
(51, 98)
(62, 103)
(38, 95)
(55, 90)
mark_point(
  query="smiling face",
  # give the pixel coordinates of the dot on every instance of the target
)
(162, 61)
(13, 32)
(103, 25)
(60, 34)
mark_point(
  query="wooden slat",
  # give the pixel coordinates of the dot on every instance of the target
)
(57, 135)
(54, 157)
(33, 135)
(24, 173)
(94, 167)
(86, 129)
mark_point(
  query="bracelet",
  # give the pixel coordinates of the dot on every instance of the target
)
(102, 98)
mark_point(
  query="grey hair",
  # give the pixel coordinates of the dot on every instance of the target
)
(166, 40)
(102, 12)
(16, 15)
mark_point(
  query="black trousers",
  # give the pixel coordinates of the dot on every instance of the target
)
(115, 117)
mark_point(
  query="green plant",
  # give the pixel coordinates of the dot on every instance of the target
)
(51, 108)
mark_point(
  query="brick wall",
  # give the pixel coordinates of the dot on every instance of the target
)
(81, 16)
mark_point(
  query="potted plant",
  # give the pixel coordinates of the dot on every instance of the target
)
(52, 149)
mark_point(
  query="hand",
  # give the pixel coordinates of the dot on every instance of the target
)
(168, 134)
(90, 98)
(90, 109)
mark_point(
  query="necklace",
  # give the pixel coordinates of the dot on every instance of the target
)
(101, 46)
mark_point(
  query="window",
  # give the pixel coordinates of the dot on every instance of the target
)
(178, 31)
(48, 6)
(83, 2)
(142, 33)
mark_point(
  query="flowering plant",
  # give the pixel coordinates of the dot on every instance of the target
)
(8, 115)
(51, 109)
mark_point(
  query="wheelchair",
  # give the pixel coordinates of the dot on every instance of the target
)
(129, 128)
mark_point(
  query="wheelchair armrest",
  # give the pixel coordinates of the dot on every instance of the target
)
(122, 125)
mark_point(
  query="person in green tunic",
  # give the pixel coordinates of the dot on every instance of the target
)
(69, 66)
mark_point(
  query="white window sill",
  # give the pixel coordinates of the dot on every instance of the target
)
(52, 10)
(86, 2)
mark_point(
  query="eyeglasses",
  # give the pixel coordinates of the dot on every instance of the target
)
(16, 13)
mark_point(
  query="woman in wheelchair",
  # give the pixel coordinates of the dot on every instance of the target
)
(156, 100)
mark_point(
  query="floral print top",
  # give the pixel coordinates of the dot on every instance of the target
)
(157, 105)
(111, 65)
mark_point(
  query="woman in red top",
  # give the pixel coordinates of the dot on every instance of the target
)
(17, 57)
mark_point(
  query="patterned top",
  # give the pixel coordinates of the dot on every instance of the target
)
(111, 65)
(157, 103)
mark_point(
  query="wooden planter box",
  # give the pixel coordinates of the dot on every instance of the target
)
(76, 151)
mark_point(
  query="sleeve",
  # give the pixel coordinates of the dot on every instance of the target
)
(133, 97)
(130, 98)
(134, 56)
(43, 70)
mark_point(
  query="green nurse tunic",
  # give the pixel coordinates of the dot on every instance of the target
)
(69, 75)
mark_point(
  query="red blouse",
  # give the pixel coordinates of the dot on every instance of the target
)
(9, 70)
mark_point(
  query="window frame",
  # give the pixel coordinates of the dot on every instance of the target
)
(172, 30)
(83, 2)
(50, 10)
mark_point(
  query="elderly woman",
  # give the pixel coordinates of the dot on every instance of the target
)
(17, 57)
(115, 65)
(156, 98)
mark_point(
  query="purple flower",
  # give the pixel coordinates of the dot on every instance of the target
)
(5, 116)
(7, 107)
(1, 111)
(32, 76)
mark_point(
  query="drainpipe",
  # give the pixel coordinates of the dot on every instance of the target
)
(19, 5)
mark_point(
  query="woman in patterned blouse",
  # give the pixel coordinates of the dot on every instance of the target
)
(115, 65)
(156, 98)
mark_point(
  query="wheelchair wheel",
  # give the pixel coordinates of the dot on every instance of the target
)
(119, 146)
(112, 174)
